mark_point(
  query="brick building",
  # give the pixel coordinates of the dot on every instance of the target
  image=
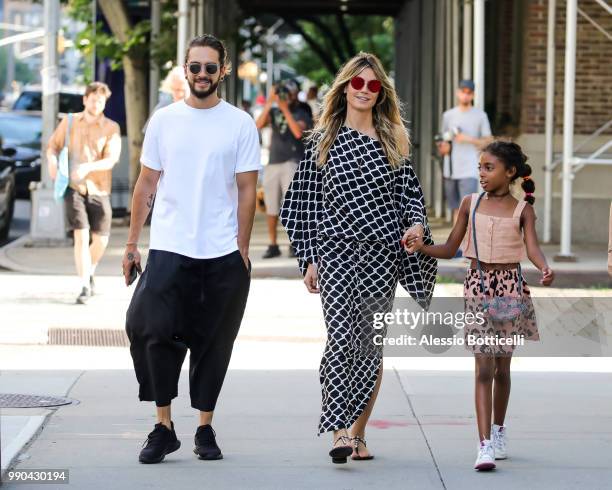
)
(515, 60)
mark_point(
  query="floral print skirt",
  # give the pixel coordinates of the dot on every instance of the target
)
(497, 337)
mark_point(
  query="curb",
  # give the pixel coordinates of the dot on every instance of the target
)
(26, 435)
(5, 261)
(563, 278)
(26, 241)
(577, 278)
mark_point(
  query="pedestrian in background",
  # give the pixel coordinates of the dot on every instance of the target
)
(349, 204)
(465, 130)
(288, 118)
(94, 149)
(312, 99)
(173, 88)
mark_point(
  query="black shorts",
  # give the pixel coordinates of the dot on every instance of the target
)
(88, 212)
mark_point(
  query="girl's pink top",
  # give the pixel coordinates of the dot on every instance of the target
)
(500, 240)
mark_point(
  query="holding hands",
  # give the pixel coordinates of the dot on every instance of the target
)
(412, 241)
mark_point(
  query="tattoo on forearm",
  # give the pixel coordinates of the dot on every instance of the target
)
(150, 201)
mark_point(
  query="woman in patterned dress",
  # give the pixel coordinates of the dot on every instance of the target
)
(351, 201)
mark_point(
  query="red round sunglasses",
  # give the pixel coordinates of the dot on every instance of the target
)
(374, 86)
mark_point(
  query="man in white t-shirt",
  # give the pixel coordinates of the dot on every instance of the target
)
(200, 161)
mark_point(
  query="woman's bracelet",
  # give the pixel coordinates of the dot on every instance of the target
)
(127, 244)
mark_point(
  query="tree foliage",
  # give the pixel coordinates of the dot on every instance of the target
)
(138, 44)
(373, 34)
(328, 41)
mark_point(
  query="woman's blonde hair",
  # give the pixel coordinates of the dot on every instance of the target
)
(386, 114)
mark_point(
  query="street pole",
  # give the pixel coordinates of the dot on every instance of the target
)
(270, 55)
(47, 223)
(269, 67)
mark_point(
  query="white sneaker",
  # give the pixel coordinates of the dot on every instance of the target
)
(498, 437)
(486, 456)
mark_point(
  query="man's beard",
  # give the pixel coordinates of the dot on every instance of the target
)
(202, 94)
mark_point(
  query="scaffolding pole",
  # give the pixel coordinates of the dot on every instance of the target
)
(550, 120)
(568, 131)
(467, 41)
(479, 52)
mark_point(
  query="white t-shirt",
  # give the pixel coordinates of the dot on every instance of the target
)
(199, 152)
(473, 122)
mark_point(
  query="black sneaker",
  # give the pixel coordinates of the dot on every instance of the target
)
(160, 442)
(84, 296)
(206, 444)
(273, 251)
(92, 286)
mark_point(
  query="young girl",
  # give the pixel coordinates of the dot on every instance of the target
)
(502, 225)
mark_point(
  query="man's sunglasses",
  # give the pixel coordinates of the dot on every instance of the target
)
(195, 68)
(358, 83)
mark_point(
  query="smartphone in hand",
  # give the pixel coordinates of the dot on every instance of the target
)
(134, 270)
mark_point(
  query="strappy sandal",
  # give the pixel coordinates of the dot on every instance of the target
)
(340, 453)
(356, 440)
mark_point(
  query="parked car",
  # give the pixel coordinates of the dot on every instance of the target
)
(7, 196)
(31, 100)
(21, 133)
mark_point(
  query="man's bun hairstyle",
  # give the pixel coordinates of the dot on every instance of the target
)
(210, 41)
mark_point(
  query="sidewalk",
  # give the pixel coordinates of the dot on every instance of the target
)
(422, 430)
(589, 271)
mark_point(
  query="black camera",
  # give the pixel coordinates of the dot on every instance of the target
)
(447, 135)
(282, 91)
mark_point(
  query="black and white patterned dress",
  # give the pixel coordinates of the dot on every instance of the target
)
(348, 217)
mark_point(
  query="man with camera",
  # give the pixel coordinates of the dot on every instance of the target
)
(288, 118)
(464, 130)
